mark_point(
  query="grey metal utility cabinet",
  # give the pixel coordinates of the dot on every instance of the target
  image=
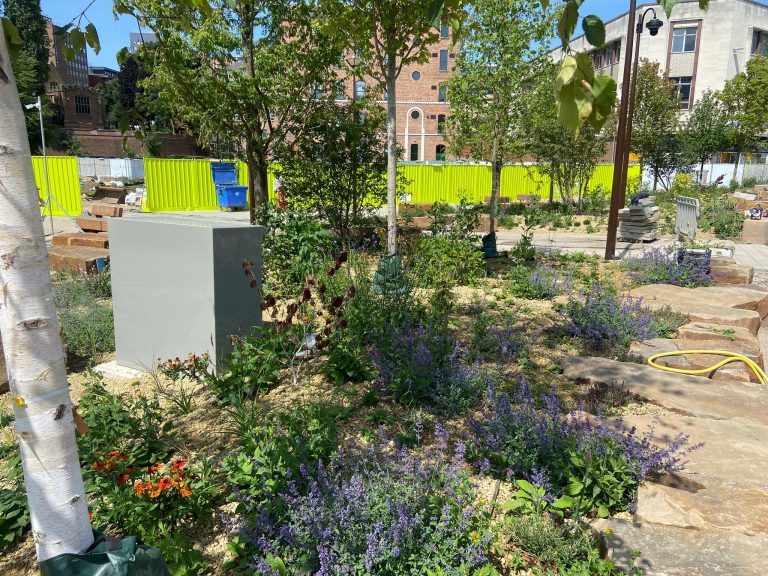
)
(178, 286)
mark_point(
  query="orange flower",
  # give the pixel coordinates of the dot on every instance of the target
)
(185, 491)
(122, 479)
(165, 483)
(90, 514)
(98, 466)
(155, 492)
(180, 463)
(154, 468)
(139, 488)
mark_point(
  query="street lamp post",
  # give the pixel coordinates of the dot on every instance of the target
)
(39, 106)
(624, 131)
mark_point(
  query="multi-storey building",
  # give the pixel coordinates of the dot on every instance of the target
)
(136, 39)
(100, 74)
(422, 107)
(77, 104)
(699, 50)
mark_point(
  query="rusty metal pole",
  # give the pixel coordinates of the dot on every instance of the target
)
(622, 151)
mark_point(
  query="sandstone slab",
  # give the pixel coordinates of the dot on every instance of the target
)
(731, 274)
(688, 395)
(78, 259)
(702, 331)
(744, 296)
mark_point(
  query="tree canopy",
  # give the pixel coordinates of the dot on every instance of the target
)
(706, 131)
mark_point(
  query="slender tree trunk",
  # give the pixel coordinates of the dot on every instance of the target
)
(32, 344)
(736, 165)
(655, 178)
(701, 173)
(495, 185)
(253, 196)
(552, 184)
(391, 159)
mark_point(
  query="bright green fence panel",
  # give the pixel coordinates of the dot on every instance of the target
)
(185, 185)
(64, 181)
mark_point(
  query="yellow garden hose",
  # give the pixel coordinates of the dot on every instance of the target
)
(730, 357)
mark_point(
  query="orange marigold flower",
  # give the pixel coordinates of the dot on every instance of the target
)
(180, 463)
(139, 488)
(122, 478)
(154, 468)
(165, 483)
(155, 492)
(185, 491)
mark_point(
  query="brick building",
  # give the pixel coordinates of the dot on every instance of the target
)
(77, 104)
(100, 74)
(422, 106)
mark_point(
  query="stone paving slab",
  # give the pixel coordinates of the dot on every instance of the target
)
(689, 395)
(703, 331)
(673, 551)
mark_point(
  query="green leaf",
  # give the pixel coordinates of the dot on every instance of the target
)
(602, 511)
(564, 502)
(92, 37)
(77, 38)
(594, 30)
(436, 12)
(124, 123)
(604, 90)
(12, 38)
(122, 55)
(567, 23)
(69, 52)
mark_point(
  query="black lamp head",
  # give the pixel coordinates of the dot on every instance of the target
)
(654, 24)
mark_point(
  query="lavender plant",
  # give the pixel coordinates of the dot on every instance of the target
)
(605, 319)
(424, 364)
(659, 266)
(374, 511)
(538, 283)
(579, 465)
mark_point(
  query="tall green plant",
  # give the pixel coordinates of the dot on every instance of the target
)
(706, 131)
(503, 55)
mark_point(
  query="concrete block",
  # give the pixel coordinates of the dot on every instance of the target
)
(755, 232)
(78, 259)
(107, 210)
(178, 287)
(92, 224)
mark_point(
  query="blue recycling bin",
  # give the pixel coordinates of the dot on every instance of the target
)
(228, 193)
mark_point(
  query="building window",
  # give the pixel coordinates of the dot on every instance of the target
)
(415, 115)
(684, 39)
(440, 152)
(415, 75)
(683, 90)
(445, 30)
(443, 60)
(414, 152)
(440, 123)
(359, 89)
(317, 91)
(83, 105)
(760, 43)
(340, 92)
(442, 93)
(52, 85)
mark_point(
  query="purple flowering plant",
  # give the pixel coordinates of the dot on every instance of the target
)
(373, 511)
(541, 282)
(582, 463)
(660, 266)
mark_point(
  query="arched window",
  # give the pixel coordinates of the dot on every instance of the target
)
(359, 89)
(440, 152)
(440, 123)
(414, 152)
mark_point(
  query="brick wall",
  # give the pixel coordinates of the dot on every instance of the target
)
(109, 144)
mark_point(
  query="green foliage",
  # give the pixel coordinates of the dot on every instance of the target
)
(444, 260)
(706, 131)
(85, 315)
(539, 283)
(723, 218)
(745, 100)
(14, 514)
(337, 169)
(347, 360)
(296, 245)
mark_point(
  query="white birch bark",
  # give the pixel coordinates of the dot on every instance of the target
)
(32, 344)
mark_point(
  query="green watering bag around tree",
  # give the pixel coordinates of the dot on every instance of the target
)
(108, 557)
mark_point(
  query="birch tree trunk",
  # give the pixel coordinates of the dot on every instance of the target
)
(391, 158)
(33, 350)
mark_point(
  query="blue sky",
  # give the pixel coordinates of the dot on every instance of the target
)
(114, 33)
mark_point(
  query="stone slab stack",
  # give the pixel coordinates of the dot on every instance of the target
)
(639, 223)
(87, 251)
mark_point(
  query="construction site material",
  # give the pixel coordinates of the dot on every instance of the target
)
(640, 222)
(101, 210)
(78, 259)
(88, 224)
(686, 217)
(89, 239)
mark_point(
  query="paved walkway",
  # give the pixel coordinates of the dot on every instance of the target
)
(747, 254)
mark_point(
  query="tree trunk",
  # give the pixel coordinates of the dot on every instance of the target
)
(253, 196)
(736, 165)
(33, 352)
(552, 184)
(260, 180)
(495, 186)
(655, 178)
(701, 173)
(391, 159)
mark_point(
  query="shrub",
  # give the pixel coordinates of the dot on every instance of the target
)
(296, 245)
(659, 266)
(605, 320)
(723, 218)
(86, 319)
(14, 514)
(539, 283)
(444, 261)
(373, 512)
(582, 465)
(423, 364)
